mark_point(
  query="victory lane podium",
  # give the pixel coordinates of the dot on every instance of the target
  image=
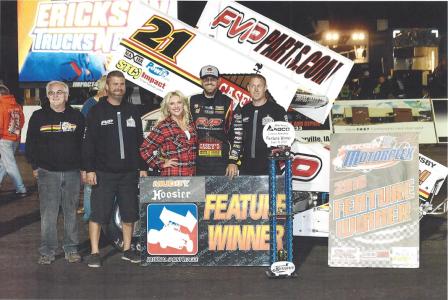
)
(208, 221)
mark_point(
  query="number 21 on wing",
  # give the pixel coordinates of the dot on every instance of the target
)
(157, 35)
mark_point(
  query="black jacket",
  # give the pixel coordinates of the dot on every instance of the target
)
(112, 138)
(53, 140)
(255, 152)
(219, 130)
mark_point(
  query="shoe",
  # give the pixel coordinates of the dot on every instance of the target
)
(21, 195)
(132, 256)
(73, 257)
(94, 260)
(45, 260)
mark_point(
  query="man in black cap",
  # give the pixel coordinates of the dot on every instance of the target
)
(219, 127)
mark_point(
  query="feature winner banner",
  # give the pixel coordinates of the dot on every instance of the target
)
(164, 54)
(207, 221)
(312, 67)
(374, 215)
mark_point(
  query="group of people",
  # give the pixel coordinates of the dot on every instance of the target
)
(106, 149)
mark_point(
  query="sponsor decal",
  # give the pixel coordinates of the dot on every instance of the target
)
(266, 120)
(204, 122)
(315, 69)
(210, 149)
(107, 122)
(234, 92)
(306, 100)
(172, 229)
(152, 81)
(250, 30)
(382, 152)
(130, 122)
(131, 70)
(278, 134)
(305, 167)
(81, 26)
(157, 70)
(431, 177)
(83, 84)
(292, 53)
(283, 268)
(134, 57)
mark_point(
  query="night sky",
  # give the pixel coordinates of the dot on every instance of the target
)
(299, 15)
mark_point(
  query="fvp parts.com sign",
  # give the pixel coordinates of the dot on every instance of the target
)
(207, 221)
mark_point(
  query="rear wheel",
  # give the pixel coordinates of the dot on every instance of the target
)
(114, 231)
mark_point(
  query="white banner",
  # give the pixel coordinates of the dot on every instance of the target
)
(385, 116)
(164, 54)
(314, 68)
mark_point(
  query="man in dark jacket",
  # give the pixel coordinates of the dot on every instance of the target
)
(113, 164)
(256, 115)
(53, 148)
(218, 126)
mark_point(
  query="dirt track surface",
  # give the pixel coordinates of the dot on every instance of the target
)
(21, 277)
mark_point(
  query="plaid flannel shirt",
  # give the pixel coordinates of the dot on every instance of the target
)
(166, 141)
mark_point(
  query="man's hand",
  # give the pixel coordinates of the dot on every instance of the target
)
(143, 174)
(231, 171)
(35, 174)
(83, 177)
(91, 178)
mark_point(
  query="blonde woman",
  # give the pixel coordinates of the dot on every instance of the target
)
(171, 145)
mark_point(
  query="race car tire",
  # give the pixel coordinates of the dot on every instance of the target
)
(113, 231)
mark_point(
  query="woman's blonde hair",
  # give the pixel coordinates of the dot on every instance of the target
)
(164, 107)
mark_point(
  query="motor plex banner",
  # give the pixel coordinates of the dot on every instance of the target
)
(207, 221)
(314, 68)
(374, 215)
(163, 54)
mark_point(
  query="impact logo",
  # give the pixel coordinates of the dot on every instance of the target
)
(172, 229)
(294, 54)
(80, 26)
(382, 152)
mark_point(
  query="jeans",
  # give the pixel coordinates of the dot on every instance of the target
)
(58, 189)
(86, 201)
(8, 164)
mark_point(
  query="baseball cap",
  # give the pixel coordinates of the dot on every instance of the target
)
(209, 71)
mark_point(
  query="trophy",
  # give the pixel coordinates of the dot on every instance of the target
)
(279, 136)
